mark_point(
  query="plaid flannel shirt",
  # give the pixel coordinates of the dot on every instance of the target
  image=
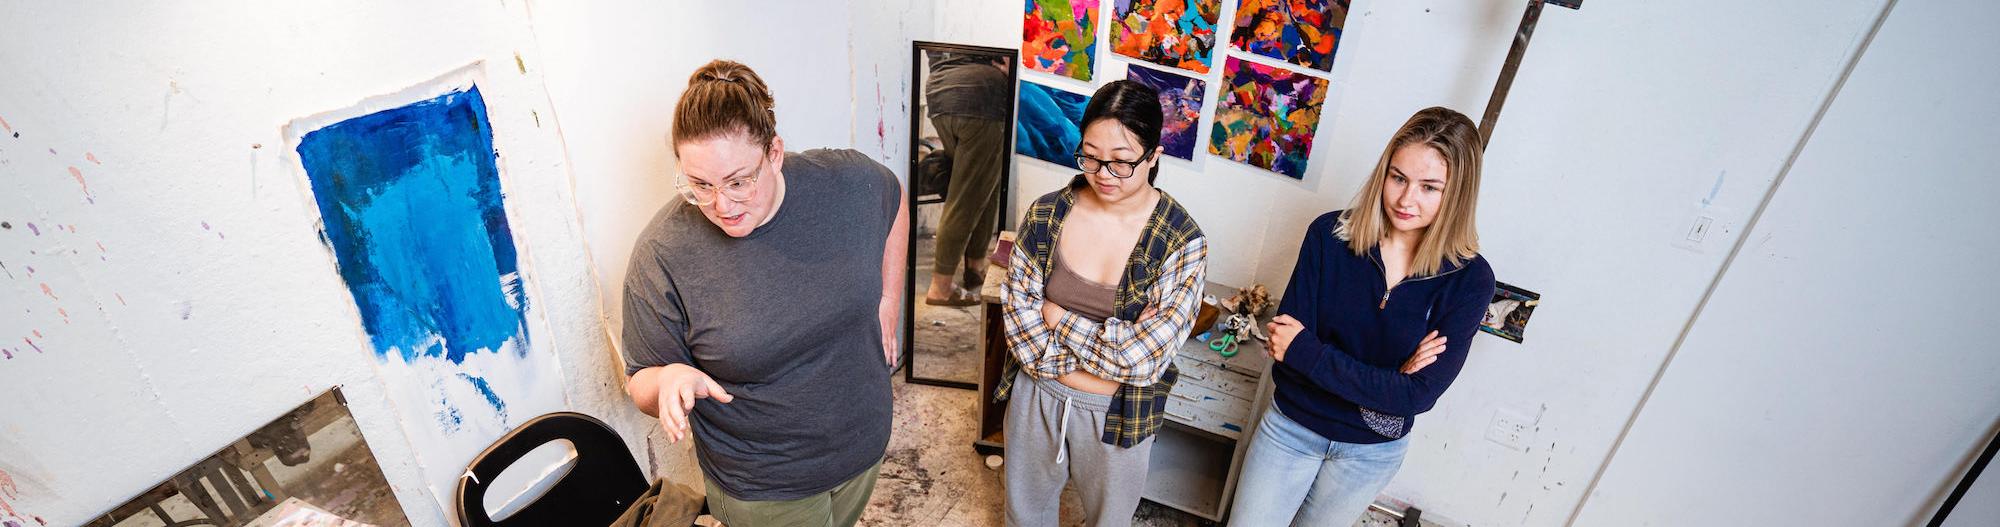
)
(1166, 273)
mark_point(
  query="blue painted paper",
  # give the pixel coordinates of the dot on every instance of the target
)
(1049, 124)
(411, 201)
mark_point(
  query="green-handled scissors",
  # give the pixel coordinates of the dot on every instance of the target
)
(1224, 345)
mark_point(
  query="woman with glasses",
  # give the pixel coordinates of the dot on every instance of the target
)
(760, 307)
(1101, 290)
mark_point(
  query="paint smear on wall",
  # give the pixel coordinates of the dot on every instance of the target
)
(1049, 124)
(410, 197)
(1303, 32)
(11, 512)
(1177, 33)
(486, 392)
(1180, 104)
(1060, 37)
(1266, 117)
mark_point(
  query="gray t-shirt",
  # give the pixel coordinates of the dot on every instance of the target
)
(784, 319)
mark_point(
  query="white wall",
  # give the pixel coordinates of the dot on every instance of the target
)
(1842, 370)
(210, 306)
(879, 36)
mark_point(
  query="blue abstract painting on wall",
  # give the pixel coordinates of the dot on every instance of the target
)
(1049, 124)
(410, 197)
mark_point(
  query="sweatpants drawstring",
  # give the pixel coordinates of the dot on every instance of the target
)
(1062, 432)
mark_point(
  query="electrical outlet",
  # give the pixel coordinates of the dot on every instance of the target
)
(1510, 429)
(1704, 229)
(1699, 230)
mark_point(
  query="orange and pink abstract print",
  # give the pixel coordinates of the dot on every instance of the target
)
(1175, 33)
(1060, 37)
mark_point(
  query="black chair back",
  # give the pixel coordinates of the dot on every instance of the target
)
(602, 484)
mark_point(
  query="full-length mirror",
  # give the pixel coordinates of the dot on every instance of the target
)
(962, 107)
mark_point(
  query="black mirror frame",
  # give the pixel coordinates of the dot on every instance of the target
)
(917, 50)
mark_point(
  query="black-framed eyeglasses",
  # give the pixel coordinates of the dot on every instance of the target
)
(1119, 169)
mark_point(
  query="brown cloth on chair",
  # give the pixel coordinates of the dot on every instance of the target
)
(663, 505)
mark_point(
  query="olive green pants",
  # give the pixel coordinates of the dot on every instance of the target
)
(978, 150)
(841, 506)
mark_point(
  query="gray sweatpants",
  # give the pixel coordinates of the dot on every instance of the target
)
(1054, 435)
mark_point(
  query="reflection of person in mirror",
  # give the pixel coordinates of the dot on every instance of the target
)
(1377, 321)
(760, 309)
(1102, 288)
(967, 100)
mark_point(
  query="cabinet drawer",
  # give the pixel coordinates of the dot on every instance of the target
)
(1218, 378)
(1221, 404)
(1206, 418)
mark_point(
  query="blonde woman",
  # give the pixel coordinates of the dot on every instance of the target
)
(1375, 324)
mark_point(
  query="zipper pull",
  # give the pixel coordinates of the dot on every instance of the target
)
(1385, 301)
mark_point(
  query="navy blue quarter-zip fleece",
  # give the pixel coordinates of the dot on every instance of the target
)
(1341, 375)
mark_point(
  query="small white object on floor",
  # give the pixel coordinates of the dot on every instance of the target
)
(994, 462)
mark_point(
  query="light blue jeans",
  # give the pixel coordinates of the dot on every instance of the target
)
(1292, 476)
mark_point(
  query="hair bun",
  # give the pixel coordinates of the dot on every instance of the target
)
(724, 71)
(724, 97)
(715, 75)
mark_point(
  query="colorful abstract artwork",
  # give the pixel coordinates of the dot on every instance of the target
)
(1048, 124)
(1266, 117)
(1303, 32)
(1060, 37)
(1180, 101)
(410, 198)
(1176, 33)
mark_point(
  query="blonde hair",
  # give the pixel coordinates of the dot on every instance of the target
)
(725, 97)
(1454, 234)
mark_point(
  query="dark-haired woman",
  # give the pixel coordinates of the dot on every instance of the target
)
(1101, 290)
(759, 308)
